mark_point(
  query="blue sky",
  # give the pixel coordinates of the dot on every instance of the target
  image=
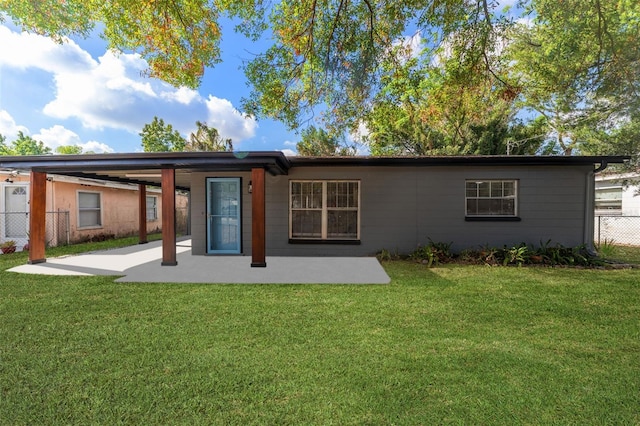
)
(78, 93)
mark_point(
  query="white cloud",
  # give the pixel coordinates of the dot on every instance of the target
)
(57, 135)
(97, 147)
(111, 93)
(289, 152)
(25, 50)
(290, 143)
(8, 127)
(230, 122)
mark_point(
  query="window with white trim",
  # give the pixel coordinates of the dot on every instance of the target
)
(324, 210)
(491, 198)
(152, 208)
(609, 198)
(89, 209)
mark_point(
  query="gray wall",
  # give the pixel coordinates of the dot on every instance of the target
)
(402, 207)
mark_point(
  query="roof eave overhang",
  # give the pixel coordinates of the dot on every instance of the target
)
(493, 160)
(274, 162)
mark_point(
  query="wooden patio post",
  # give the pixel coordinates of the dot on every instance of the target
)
(142, 214)
(37, 215)
(258, 243)
(169, 217)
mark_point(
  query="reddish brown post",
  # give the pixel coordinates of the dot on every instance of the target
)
(37, 224)
(258, 243)
(142, 214)
(169, 217)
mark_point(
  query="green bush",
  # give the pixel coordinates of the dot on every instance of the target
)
(436, 253)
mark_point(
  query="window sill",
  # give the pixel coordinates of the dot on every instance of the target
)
(313, 241)
(492, 219)
(88, 227)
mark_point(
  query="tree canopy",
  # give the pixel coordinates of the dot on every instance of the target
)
(319, 143)
(23, 145)
(207, 138)
(160, 137)
(472, 71)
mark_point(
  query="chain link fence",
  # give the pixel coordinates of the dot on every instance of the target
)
(619, 230)
(14, 226)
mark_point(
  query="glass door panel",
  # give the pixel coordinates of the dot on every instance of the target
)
(223, 216)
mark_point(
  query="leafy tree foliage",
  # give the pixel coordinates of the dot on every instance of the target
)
(206, 138)
(23, 145)
(160, 137)
(577, 64)
(69, 149)
(178, 38)
(319, 143)
(574, 63)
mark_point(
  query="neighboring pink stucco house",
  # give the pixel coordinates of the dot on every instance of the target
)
(80, 209)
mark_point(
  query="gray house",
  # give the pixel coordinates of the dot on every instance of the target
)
(263, 203)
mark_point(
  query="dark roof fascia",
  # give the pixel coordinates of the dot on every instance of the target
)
(493, 160)
(274, 162)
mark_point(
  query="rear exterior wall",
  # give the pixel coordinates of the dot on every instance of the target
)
(404, 207)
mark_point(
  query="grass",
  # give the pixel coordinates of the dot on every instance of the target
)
(625, 254)
(456, 344)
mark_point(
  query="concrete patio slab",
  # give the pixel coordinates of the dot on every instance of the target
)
(142, 264)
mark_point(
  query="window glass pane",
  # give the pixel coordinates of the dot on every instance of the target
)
(89, 200)
(342, 224)
(89, 218)
(332, 194)
(310, 196)
(472, 189)
(472, 206)
(152, 212)
(296, 195)
(484, 190)
(508, 206)
(496, 189)
(509, 188)
(353, 194)
(306, 223)
(338, 194)
(484, 206)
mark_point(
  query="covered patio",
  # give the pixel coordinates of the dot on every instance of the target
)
(171, 171)
(140, 264)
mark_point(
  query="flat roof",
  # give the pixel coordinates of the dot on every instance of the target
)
(145, 167)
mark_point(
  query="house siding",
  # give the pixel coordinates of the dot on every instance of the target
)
(404, 207)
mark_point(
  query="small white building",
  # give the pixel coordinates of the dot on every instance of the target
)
(617, 208)
(618, 194)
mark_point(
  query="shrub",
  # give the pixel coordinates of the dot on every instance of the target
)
(433, 253)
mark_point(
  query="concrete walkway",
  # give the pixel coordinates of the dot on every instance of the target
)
(142, 264)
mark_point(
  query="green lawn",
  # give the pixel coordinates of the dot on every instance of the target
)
(457, 344)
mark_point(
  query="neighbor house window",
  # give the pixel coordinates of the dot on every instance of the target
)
(89, 209)
(152, 208)
(609, 198)
(324, 210)
(491, 198)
